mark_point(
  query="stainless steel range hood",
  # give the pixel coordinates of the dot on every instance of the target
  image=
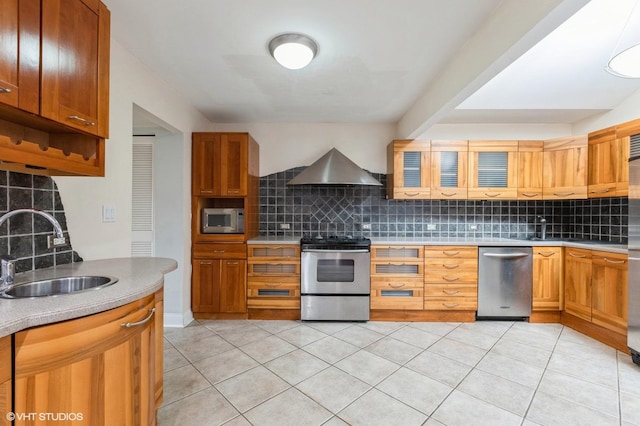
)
(334, 168)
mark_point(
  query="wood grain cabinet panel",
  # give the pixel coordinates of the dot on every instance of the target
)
(408, 170)
(397, 279)
(577, 283)
(451, 278)
(530, 166)
(220, 164)
(95, 367)
(565, 168)
(608, 167)
(609, 284)
(548, 279)
(449, 168)
(493, 170)
(274, 277)
(6, 384)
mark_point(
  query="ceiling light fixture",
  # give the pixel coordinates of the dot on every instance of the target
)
(625, 59)
(293, 51)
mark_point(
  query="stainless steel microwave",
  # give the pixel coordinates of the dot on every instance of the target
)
(222, 221)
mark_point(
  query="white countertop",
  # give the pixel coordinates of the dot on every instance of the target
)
(466, 241)
(137, 277)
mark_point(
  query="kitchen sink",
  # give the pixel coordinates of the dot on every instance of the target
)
(57, 286)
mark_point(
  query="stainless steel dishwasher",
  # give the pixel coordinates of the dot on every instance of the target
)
(505, 281)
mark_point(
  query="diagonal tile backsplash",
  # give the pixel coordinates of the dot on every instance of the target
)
(342, 210)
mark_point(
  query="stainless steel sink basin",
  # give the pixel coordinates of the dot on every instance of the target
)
(57, 286)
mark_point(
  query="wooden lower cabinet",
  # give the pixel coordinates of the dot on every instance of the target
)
(5, 379)
(397, 278)
(219, 279)
(548, 290)
(609, 295)
(577, 283)
(99, 369)
(451, 278)
(396, 293)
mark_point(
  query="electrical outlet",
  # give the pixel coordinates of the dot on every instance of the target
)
(473, 227)
(431, 227)
(365, 227)
(53, 242)
(285, 226)
(108, 213)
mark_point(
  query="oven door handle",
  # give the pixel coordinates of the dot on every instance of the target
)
(334, 251)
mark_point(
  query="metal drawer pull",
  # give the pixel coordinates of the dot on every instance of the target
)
(546, 253)
(449, 194)
(218, 251)
(450, 266)
(411, 194)
(619, 262)
(232, 263)
(281, 293)
(579, 256)
(273, 284)
(450, 278)
(601, 191)
(530, 194)
(450, 305)
(396, 293)
(451, 253)
(495, 194)
(5, 90)
(450, 292)
(137, 323)
(82, 120)
(396, 285)
(506, 255)
(563, 194)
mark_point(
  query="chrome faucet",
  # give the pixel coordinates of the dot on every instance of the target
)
(543, 227)
(7, 263)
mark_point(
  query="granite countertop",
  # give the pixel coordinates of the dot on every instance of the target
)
(466, 241)
(137, 277)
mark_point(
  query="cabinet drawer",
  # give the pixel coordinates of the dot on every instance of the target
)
(272, 293)
(292, 284)
(219, 251)
(450, 303)
(578, 253)
(404, 299)
(378, 283)
(450, 265)
(450, 290)
(396, 252)
(451, 276)
(271, 251)
(274, 268)
(409, 269)
(450, 252)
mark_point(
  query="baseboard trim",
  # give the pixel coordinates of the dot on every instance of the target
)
(178, 320)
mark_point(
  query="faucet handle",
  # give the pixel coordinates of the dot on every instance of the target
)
(542, 219)
(8, 270)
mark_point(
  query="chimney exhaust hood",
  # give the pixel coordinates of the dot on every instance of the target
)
(334, 168)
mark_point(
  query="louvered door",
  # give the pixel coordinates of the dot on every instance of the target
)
(142, 197)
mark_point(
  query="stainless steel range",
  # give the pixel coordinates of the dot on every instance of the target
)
(335, 278)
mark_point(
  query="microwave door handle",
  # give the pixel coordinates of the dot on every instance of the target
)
(335, 251)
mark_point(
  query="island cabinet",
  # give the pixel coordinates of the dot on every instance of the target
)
(451, 278)
(273, 281)
(397, 281)
(449, 167)
(219, 280)
(54, 86)
(98, 369)
(530, 166)
(608, 165)
(408, 170)
(548, 279)
(5, 379)
(493, 170)
(223, 164)
(565, 168)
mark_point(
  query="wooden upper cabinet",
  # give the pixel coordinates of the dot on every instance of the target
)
(75, 64)
(565, 168)
(449, 163)
(220, 164)
(493, 170)
(408, 170)
(608, 171)
(20, 54)
(530, 166)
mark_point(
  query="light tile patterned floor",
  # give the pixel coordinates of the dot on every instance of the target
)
(390, 373)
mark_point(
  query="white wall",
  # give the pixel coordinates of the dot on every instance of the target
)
(497, 131)
(287, 145)
(628, 110)
(83, 198)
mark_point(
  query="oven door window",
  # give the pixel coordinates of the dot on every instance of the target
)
(335, 270)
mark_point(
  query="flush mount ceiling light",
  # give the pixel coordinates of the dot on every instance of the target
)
(625, 59)
(293, 51)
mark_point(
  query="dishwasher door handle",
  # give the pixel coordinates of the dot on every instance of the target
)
(506, 255)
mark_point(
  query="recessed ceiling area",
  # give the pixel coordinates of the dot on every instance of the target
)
(412, 62)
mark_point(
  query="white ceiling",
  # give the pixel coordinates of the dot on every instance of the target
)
(411, 62)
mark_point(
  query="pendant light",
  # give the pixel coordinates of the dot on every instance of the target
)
(625, 59)
(293, 51)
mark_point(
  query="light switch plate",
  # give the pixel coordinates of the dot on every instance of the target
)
(108, 213)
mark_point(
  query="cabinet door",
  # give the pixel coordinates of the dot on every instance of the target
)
(603, 163)
(205, 157)
(159, 347)
(609, 284)
(548, 291)
(565, 168)
(99, 368)
(20, 54)
(233, 286)
(530, 160)
(493, 167)
(205, 285)
(449, 163)
(577, 283)
(409, 162)
(233, 164)
(5, 379)
(75, 64)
